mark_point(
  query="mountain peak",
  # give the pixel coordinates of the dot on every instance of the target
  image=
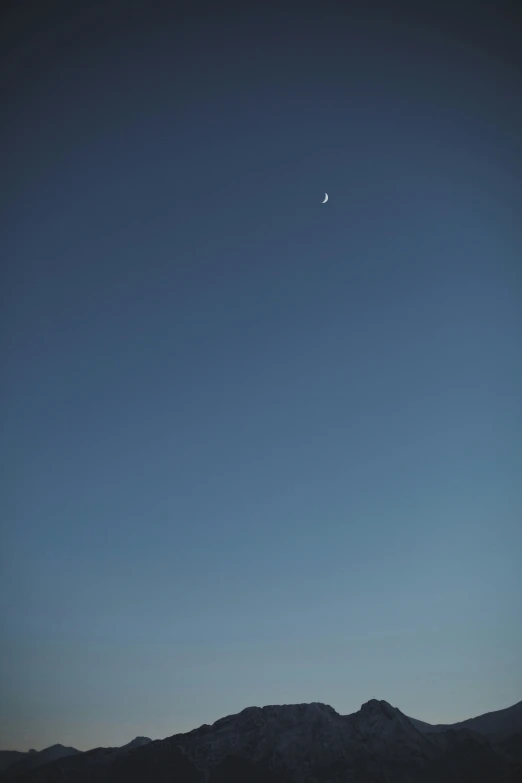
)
(376, 707)
(269, 709)
(140, 741)
(380, 719)
(137, 742)
(376, 704)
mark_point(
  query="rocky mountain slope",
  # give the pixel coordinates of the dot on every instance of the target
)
(17, 764)
(299, 743)
(8, 757)
(492, 724)
(33, 759)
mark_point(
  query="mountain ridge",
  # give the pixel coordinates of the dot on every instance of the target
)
(33, 759)
(493, 723)
(297, 743)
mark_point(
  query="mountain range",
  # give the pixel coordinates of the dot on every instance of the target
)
(297, 743)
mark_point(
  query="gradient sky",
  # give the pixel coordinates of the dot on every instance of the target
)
(258, 450)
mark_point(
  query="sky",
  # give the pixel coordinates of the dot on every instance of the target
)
(257, 449)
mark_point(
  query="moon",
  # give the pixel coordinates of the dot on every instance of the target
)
(325, 198)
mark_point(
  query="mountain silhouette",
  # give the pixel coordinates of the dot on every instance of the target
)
(8, 757)
(34, 759)
(302, 743)
(493, 724)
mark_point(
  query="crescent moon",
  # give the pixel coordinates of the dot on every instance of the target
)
(325, 198)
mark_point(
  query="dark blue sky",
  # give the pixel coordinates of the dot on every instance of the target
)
(257, 449)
